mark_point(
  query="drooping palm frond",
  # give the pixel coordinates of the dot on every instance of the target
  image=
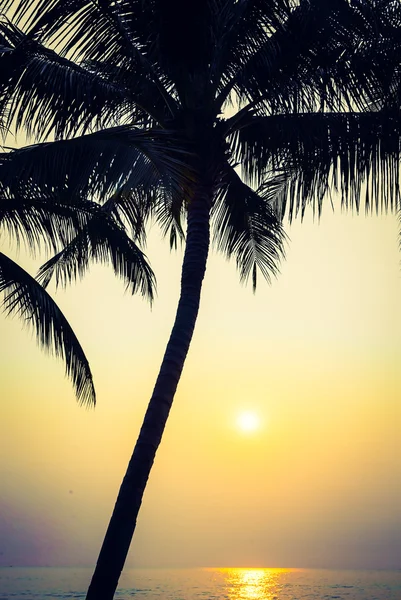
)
(345, 150)
(101, 240)
(89, 33)
(71, 27)
(169, 212)
(132, 210)
(246, 227)
(26, 298)
(95, 165)
(46, 93)
(135, 208)
(41, 222)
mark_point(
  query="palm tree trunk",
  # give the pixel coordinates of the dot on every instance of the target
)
(123, 521)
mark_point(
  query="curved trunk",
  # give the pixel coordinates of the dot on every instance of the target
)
(123, 521)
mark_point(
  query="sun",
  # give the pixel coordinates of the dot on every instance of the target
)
(248, 421)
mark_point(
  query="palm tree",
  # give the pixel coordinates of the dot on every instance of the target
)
(135, 95)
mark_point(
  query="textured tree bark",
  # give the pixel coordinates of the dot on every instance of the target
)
(123, 521)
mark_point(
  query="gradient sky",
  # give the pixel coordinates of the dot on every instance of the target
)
(316, 355)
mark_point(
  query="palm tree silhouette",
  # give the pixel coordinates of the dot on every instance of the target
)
(136, 95)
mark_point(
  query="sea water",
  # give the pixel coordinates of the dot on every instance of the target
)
(206, 584)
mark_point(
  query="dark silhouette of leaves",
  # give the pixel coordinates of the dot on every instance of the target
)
(26, 297)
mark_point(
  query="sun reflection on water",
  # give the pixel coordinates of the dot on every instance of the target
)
(253, 584)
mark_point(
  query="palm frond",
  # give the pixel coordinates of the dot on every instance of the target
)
(246, 227)
(308, 59)
(42, 222)
(345, 150)
(46, 93)
(94, 31)
(95, 165)
(101, 240)
(134, 209)
(27, 298)
(151, 97)
(241, 30)
(168, 211)
(71, 26)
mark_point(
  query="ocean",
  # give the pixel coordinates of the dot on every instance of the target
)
(206, 584)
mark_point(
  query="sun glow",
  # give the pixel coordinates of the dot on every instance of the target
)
(248, 421)
(253, 584)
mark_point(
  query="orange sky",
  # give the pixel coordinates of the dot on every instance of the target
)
(316, 355)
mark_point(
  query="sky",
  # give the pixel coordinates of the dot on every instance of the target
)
(315, 356)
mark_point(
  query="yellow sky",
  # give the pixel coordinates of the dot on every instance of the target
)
(316, 355)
